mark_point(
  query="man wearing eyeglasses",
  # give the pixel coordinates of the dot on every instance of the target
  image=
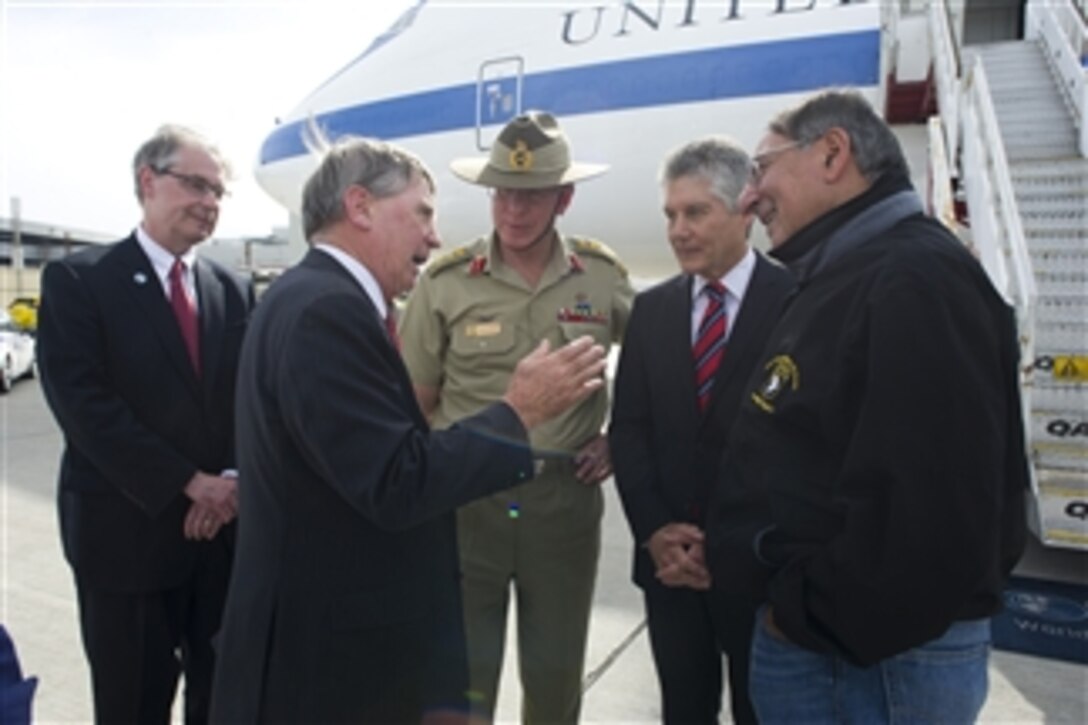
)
(475, 313)
(872, 497)
(138, 346)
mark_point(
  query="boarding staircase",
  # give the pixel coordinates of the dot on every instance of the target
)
(1050, 182)
(1021, 115)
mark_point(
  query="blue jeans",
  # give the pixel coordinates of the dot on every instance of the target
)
(942, 681)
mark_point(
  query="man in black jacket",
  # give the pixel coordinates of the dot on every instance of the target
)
(872, 496)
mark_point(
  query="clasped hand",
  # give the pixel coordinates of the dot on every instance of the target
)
(679, 556)
(214, 504)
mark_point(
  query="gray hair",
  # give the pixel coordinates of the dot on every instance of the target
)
(383, 169)
(160, 152)
(718, 159)
(875, 148)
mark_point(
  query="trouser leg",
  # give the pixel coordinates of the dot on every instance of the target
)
(558, 550)
(130, 640)
(201, 614)
(733, 617)
(687, 657)
(944, 680)
(485, 543)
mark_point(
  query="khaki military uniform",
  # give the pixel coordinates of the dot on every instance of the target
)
(465, 327)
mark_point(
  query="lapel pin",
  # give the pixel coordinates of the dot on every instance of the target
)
(139, 278)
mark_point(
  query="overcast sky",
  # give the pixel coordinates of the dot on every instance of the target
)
(82, 84)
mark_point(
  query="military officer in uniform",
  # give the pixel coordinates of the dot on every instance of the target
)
(476, 312)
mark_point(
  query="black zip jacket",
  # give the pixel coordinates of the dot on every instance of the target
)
(873, 492)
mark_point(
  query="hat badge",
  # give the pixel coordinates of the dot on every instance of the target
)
(521, 158)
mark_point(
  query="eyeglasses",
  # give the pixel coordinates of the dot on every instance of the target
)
(198, 185)
(762, 161)
(528, 197)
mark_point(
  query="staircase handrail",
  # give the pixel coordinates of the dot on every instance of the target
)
(1064, 35)
(889, 49)
(946, 71)
(942, 206)
(1003, 200)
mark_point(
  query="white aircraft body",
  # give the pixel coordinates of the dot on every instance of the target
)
(629, 81)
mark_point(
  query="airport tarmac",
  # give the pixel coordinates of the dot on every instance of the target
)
(37, 604)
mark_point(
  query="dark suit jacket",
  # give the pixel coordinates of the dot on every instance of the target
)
(665, 453)
(137, 421)
(344, 603)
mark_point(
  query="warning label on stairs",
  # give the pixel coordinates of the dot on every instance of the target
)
(1071, 368)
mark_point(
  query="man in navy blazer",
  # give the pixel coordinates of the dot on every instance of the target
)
(344, 603)
(671, 447)
(144, 397)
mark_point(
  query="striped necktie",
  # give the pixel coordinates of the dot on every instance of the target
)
(391, 328)
(709, 342)
(185, 312)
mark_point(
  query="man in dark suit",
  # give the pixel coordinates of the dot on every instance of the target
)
(138, 344)
(684, 361)
(344, 603)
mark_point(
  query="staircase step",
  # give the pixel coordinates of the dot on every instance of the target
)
(1000, 70)
(1067, 189)
(1036, 120)
(1055, 315)
(1028, 55)
(1070, 459)
(1015, 153)
(1054, 133)
(1074, 164)
(1070, 216)
(1054, 229)
(1059, 401)
(1058, 437)
(1061, 283)
(1040, 208)
(1041, 128)
(1037, 84)
(1045, 107)
(1040, 197)
(1056, 243)
(1020, 140)
(1061, 433)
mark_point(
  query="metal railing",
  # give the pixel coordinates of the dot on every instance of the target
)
(1060, 28)
(995, 219)
(946, 73)
(940, 202)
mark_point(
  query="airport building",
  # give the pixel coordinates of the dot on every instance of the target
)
(27, 246)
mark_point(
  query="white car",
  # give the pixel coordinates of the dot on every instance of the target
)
(16, 353)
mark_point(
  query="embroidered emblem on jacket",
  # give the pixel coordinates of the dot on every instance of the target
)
(782, 374)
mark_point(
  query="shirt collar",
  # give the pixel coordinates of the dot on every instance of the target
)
(735, 280)
(161, 259)
(361, 274)
(559, 264)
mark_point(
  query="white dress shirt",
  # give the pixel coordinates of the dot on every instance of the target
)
(736, 284)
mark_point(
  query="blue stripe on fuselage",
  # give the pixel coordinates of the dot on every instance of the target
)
(782, 66)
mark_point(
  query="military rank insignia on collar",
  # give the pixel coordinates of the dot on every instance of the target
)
(782, 374)
(477, 266)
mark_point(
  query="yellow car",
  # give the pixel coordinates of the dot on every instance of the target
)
(24, 312)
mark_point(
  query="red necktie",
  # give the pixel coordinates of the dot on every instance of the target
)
(709, 343)
(185, 312)
(391, 328)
